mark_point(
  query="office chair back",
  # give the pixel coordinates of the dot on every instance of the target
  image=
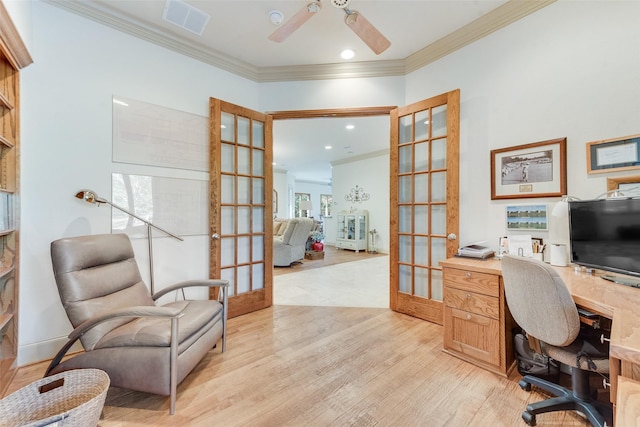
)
(539, 300)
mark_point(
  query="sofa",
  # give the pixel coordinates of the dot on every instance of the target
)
(290, 239)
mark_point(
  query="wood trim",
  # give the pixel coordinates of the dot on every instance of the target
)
(331, 112)
(11, 43)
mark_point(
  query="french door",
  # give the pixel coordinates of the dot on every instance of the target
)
(424, 202)
(240, 211)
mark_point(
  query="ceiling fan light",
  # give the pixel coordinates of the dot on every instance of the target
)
(340, 4)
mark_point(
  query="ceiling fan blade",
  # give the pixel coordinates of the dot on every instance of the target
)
(296, 21)
(366, 31)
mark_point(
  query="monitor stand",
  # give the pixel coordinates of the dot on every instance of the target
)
(634, 283)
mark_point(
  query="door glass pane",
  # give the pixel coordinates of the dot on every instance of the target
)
(258, 276)
(436, 285)
(227, 158)
(406, 129)
(439, 187)
(228, 220)
(422, 125)
(404, 219)
(422, 156)
(421, 282)
(243, 160)
(438, 250)
(422, 188)
(226, 131)
(404, 159)
(229, 274)
(243, 130)
(244, 279)
(228, 189)
(258, 162)
(404, 189)
(258, 220)
(439, 154)
(228, 251)
(362, 228)
(244, 250)
(421, 220)
(244, 193)
(421, 250)
(404, 279)
(439, 119)
(244, 220)
(258, 248)
(351, 228)
(258, 190)
(439, 219)
(404, 248)
(258, 134)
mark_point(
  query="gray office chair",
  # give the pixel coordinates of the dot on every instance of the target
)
(141, 344)
(541, 304)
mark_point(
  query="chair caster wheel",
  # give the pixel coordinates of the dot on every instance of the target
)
(529, 418)
(524, 385)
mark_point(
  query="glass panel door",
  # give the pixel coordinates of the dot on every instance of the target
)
(241, 199)
(424, 190)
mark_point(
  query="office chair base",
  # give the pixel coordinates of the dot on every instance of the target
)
(565, 400)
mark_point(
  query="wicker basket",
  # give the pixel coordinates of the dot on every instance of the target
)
(77, 402)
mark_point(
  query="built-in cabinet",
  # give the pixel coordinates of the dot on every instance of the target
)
(352, 230)
(13, 57)
(477, 323)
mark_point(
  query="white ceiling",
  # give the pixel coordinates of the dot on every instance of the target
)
(236, 39)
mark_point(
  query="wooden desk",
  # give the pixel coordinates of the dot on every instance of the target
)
(617, 302)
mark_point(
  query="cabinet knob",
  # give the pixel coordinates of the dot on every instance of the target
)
(468, 274)
(468, 317)
(468, 296)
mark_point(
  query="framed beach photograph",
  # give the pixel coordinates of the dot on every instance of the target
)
(527, 217)
(531, 170)
(618, 154)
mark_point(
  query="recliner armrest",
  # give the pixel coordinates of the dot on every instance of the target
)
(210, 283)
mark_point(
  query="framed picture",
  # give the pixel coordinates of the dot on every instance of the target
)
(617, 154)
(628, 185)
(526, 217)
(538, 169)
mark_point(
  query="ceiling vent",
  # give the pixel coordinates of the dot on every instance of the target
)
(185, 16)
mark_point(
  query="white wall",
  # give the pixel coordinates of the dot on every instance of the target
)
(66, 146)
(373, 176)
(569, 70)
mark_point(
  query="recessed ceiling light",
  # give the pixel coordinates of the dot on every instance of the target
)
(117, 101)
(328, 147)
(347, 54)
(349, 127)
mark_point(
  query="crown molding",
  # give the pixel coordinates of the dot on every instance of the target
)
(11, 43)
(384, 152)
(498, 18)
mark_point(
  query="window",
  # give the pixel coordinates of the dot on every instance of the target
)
(301, 197)
(326, 201)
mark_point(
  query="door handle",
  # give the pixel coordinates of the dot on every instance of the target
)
(215, 236)
(452, 236)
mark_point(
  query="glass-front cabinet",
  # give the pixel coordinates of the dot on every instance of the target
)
(352, 230)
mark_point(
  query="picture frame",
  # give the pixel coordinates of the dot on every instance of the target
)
(527, 217)
(629, 185)
(617, 154)
(538, 169)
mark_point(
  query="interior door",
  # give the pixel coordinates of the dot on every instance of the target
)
(240, 212)
(424, 202)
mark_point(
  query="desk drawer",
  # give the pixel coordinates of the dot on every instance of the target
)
(488, 284)
(472, 302)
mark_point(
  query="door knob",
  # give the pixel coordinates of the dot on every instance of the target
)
(215, 236)
(452, 236)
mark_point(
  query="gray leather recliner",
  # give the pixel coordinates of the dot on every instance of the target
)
(141, 345)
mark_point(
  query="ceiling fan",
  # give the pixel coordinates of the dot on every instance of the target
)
(354, 20)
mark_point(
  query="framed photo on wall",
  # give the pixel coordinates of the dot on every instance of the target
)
(531, 170)
(526, 217)
(616, 154)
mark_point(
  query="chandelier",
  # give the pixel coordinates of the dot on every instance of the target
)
(357, 195)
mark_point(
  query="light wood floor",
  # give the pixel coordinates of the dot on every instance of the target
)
(329, 366)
